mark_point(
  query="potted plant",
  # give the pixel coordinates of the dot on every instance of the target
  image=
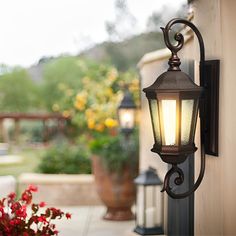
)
(91, 103)
(115, 165)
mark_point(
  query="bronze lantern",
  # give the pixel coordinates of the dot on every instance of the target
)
(174, 101)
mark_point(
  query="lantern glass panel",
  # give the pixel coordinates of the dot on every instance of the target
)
(151, 210)
(169, 120)
(194, 121)
(140, 209)
(155, 120)
(126, 117)
(186, 120)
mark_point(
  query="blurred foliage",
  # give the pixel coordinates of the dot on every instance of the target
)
(89, 95)
(116, 152)
(65, 159)
(17, 92)
(87, 92)
(30, 131)
(58, 73)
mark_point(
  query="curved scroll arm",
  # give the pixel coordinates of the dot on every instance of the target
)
(180, 179)
(174, 63)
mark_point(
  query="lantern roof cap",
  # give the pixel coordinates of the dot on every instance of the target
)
(148, 177)
(173, 81)
(127, 102)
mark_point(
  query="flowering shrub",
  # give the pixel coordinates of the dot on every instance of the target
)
(92, 97)
(15, 219)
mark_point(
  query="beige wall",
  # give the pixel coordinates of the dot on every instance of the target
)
(215, 207)
(215, 204)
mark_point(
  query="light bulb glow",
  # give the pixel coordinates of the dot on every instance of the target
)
(126, 118)
(169, 121)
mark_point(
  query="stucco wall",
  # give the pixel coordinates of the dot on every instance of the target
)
(215, 207)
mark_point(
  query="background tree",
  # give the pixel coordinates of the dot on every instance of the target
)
(123, 26)
(17, 92)
(61, 74)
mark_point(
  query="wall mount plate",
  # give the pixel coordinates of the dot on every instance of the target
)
(211, 83)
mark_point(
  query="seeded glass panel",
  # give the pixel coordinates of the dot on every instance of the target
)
(155, 120)
(169, 121)
(186, 120)
(193, 127)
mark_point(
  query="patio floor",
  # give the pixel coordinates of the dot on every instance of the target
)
(87, 221)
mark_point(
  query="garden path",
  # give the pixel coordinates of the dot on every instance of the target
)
(87, 221)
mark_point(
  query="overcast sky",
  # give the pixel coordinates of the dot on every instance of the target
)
(30, 29)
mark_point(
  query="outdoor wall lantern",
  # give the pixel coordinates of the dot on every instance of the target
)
(149, 204)
(126, 113)
(174, 100)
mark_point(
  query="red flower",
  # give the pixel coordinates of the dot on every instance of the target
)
(15, 206)
(12, 196)
(26, 197)
(56, 212)
(32, 188)
(42, 204)
(21, 212)
(42, 219)
(68, 216)
(1, 212)
(16, 221)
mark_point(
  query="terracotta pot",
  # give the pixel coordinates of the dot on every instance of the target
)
(116, 190)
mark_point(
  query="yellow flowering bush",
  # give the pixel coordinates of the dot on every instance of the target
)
(88, 94)
(92, 97)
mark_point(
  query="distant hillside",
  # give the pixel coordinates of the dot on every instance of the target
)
(126, 54)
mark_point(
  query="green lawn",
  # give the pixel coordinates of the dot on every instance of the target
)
(30, 161)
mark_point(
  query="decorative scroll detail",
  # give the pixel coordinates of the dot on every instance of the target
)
(174, 61)
(178, 180)
(178, 37)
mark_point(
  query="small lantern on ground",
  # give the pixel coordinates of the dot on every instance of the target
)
(126, 113)
(149, 204)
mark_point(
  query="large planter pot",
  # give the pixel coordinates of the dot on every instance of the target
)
(116, 190)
